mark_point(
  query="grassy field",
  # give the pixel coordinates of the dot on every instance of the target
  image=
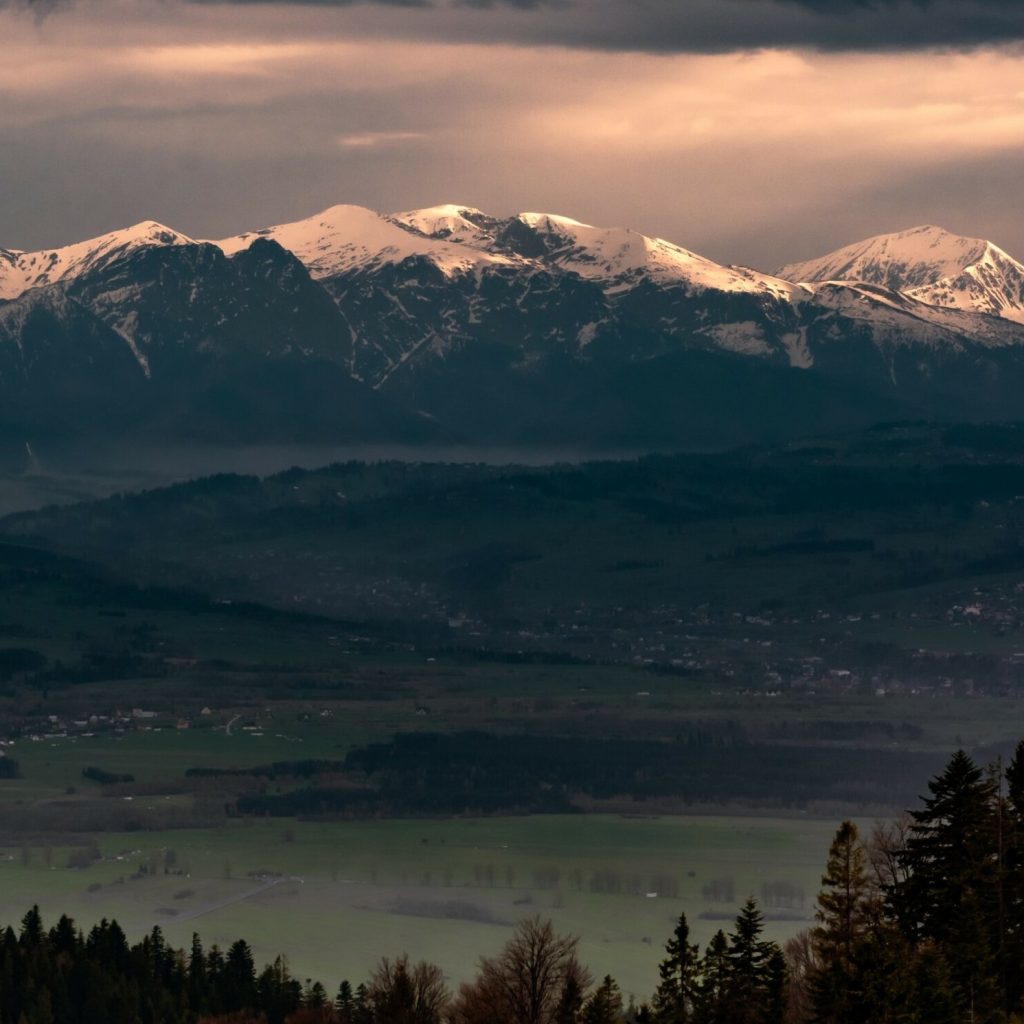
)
(834, 623)
(344, 894)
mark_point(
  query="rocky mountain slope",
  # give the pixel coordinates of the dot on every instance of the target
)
(447, 322)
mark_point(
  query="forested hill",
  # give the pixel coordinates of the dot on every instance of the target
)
(811, 525)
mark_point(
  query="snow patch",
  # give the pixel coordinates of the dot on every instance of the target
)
(745, 338)
(795, 344)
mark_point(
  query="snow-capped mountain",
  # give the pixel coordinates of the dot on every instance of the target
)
(459, 239)
(453, 223)
(20, 271)
(928, 264)
(447, 321)
(343, 239)
(619, 259)
(474, 275)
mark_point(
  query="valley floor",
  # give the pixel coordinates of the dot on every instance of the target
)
(338, 896)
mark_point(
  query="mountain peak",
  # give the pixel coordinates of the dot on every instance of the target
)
(903, 259)
(552, 220)
(930, 264)
(900, 260)
(151, 229)
(20, 271)
(347, 238)
(450, 221)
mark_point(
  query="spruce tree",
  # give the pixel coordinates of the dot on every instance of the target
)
(345, 1001)
(32, 934)
(362, 1010)
(946, 854)
(605, 1005)
(198, 986)
(952, 895)
(570, 1005)
(239, 980)
(712, 996)
(935, 997)
(1013, 880)
(776, 987)
(748, 960)
(673, 1000)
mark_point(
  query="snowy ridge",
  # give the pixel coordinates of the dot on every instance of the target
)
(425, 283)
(20, 271)
(343, 239)
(449, 222)
(903, 319)
(619, 259)
(992, 284)
(929, 264)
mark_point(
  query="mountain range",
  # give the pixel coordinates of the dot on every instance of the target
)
(451, 324)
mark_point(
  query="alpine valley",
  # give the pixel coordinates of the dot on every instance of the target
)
(450, 325)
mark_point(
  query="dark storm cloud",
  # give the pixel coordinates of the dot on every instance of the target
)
(41, 8)
(315, 3)
(712, 26)
(677, 26)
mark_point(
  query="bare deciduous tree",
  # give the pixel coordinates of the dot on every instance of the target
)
(801, 961)
(888, 839)
(402, 994)
(535, 979)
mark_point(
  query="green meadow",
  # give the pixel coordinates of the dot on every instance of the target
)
(337, 896)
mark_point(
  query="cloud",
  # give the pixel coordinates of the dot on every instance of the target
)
(217, 120)
(39, 8)
(660, 26)
(367, 140)
(710, 26)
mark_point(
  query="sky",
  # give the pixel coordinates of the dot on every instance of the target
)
(752, 131)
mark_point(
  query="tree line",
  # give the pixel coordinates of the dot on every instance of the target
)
(477, 772)
(62, 976)
(923, 923)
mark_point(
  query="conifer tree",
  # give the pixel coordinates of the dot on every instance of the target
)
(748, 960)
(843, 908)
(198, 987)
(952, 895)
(278, 993)
(362, 1011)
(344, 1002)
(605, 1005)
(885, 968)
(570, 1005)
(946, 853)
(673, 1000)
(713, 985)
(31, 935)
(935, 997)
(776, 988)
(1013, 877)
(239, 980)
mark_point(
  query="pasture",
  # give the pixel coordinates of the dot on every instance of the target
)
(337, 896)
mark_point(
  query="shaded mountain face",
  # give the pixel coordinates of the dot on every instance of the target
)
(447, 323)
(62, 368)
